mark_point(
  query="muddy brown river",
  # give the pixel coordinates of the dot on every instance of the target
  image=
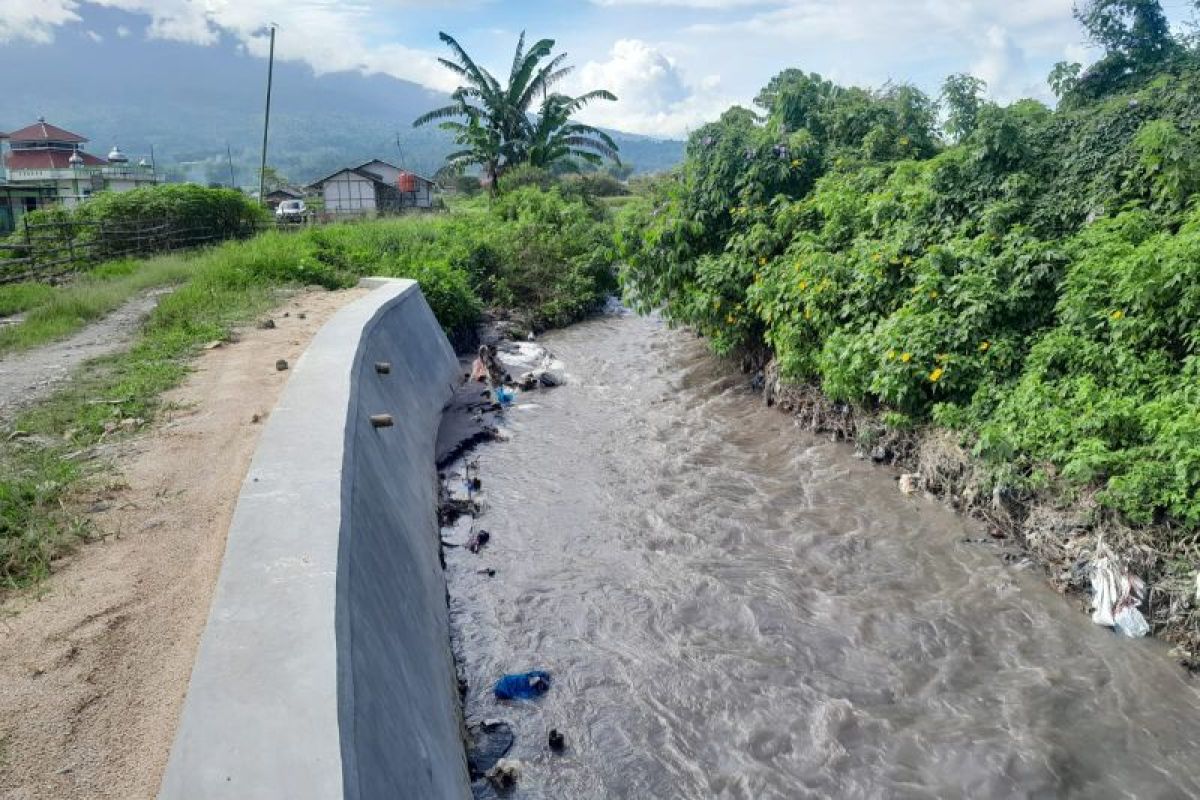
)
(731, 607)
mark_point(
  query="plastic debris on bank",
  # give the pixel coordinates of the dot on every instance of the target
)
(1116, 595)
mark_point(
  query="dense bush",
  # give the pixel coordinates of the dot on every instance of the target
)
(1035, 286)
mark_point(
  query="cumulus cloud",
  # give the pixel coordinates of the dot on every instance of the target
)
(654, 96)
(95, 37)
(34, 21)
(123, 32)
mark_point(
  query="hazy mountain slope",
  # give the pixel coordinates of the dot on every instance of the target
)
(188, 101)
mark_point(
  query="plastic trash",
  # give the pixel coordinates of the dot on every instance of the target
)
(503, 396)
(478, 540)
(505, 774)
(522, 685)
(1116, 595)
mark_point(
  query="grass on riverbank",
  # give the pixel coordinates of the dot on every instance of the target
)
(531, 252)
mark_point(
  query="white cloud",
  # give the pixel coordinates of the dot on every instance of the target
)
(34, 21)
(123, 32)
(653, 94)
(95, 37)
(326, 34)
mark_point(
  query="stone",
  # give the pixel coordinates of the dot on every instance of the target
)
(909, 482)
(505, 774)
(267, 324)
(880, 454)
(281, 364)
(556, 740)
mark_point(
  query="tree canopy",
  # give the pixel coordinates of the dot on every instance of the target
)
(493, 123)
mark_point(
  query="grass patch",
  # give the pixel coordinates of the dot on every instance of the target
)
(18, 297)
(55, 313)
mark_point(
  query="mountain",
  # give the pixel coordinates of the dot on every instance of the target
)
(187, 102)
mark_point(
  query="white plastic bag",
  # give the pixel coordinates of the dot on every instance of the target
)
(1116, 595)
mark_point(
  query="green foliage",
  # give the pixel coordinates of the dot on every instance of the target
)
(1035, 287)
(545, 256)
(962, 95)
(492, 122)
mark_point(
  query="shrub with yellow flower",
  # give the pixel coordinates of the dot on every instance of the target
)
(1118, 315)
(984, 346)
(906, 357)
(936, 375)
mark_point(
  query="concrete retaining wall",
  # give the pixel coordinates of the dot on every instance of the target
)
(325, 669)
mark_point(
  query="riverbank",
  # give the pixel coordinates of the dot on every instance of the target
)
(1063, 535)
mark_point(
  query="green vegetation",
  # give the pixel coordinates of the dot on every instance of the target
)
(544, 256)
(18, 297)
(52, 314)
(142, 221)
(1034, 287)
(497, 132)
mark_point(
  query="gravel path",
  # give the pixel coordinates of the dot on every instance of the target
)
(31, 375)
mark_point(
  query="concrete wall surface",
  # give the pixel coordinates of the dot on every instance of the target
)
(325, 669)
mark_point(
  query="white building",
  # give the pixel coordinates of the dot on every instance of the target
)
(375, 187)
(52, 161)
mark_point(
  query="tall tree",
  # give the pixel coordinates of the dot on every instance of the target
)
(1135, 29)
(492, 121)
(962, 97)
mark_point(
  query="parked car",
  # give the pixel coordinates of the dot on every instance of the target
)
(291, 211)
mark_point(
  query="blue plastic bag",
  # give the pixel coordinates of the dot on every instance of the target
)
(503, 396)
(522, 685)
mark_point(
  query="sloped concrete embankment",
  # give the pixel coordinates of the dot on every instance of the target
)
(325, 669)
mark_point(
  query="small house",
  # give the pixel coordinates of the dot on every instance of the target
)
(276, 196)
(375, 187)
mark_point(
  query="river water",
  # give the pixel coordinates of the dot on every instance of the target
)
(731, 607)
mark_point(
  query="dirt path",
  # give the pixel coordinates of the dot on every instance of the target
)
(93, 674)
(29, 376)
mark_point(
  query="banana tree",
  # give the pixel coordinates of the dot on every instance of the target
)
(492, 122)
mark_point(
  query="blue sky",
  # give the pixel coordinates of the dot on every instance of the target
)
(673, 63)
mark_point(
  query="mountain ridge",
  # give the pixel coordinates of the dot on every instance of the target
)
(188, 102)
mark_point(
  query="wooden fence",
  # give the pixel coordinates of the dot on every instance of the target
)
(51, 251)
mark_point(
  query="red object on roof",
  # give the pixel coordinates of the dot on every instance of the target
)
(406, 182)
(41, 131)
(48, 159)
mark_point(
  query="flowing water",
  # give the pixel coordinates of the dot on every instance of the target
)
(731, 607)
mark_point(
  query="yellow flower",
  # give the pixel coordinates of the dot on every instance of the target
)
(891, 355)
(983, 346)
(1118, 314)
(906, 357)
(795, 162)
(762, 261)
(936, 375)
(933, 295)
(904, 140)
(803, 285)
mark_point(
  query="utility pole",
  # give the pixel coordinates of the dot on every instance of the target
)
(262, 170)
(229, 157)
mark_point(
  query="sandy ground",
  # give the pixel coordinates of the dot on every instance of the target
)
(93, 669)
(29, 376)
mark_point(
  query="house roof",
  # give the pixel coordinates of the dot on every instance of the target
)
(48, 159)
(362, 171)
(42, 131)
(288, 190)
